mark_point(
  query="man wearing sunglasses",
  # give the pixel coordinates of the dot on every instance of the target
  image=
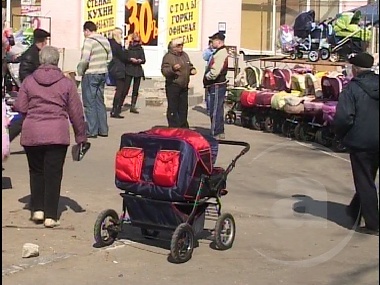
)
(177, 68)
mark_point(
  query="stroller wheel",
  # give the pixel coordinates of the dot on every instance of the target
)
(299, 55)
(268, 125)
(225, 230)
(297, 132)
(106, 227)
(293, 56)
(338, 146)
(277, 124)
(256, 124)
(304, 133)
(245, 120)
(313, 56)
(230, 118)
(324, 53)
(321, 138)
(182, 243)
(334, 57)
(149, 233)
(285, 128)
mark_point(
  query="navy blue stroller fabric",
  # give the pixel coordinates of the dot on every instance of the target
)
(303, 24)
(164, 166)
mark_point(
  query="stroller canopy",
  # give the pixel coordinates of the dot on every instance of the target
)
(303, 24)
(347, 25)
(196, 140)
(370, 13)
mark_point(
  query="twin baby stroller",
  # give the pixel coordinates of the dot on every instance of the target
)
(332, 39)
(169, 183)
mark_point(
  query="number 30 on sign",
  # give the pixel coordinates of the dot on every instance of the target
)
(142, 20)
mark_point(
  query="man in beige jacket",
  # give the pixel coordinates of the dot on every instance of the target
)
(216, 83)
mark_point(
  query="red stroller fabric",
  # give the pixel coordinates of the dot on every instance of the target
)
(264, 98)
(248, 98)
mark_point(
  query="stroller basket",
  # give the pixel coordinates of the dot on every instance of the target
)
(155, 214)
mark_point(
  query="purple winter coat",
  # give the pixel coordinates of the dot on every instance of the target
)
(48, 100)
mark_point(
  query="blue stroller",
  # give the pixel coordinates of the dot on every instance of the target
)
(169, 184)
(311, 37)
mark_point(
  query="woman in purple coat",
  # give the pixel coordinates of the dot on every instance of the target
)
(49, 101)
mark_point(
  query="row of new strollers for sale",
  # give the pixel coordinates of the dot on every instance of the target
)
(294, 102)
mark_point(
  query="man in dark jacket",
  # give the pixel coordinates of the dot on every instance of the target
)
(357, 124)
(29, 61)
(177, 69)
(216, 83)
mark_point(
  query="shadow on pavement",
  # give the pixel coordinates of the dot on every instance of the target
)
(355, 275)
(200, 109)
(65, 203)
(18, 152)
(201, 130)
(331, 211)
(6, 183)
(159, 126)
(162, 241)
(125, 107)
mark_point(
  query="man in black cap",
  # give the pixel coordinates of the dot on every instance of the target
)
(29, 60)
(215, 82)
(357, 124)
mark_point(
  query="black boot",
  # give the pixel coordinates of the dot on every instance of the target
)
(112, 112)
(133, 105)
(116, 113)
(114, 107)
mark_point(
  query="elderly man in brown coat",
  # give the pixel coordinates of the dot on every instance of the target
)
(177, 68)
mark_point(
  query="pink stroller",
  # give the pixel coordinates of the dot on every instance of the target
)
(325, 135)
(321, 111)
(281, 81)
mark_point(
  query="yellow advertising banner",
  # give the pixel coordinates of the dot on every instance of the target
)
(102, 13)
(141, 17)
(183, 21)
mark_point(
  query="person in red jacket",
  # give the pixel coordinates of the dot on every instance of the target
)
(49, 101)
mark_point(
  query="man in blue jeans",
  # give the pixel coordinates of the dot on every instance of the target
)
(215, 82)
(96, 54)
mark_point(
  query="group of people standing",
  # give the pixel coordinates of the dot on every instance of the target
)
(103, 57)
(177, 68)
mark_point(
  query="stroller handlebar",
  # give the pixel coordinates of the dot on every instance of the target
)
(237, 143)
(243, 152)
